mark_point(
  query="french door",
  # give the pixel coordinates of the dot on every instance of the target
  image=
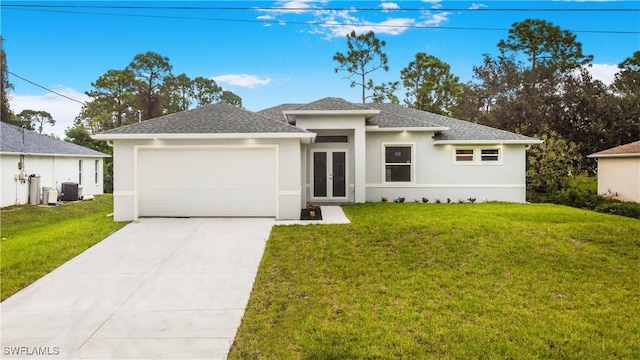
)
(329, 174)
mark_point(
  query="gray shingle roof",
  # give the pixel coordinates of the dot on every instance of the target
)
(332, 104)
(218, 118)
(11, 141)
(398, 116)
(458, 129)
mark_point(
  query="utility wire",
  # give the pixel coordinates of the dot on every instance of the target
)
(49, 90)
(315, 23)
(299, 9)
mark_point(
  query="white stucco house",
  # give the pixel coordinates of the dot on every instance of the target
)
(619, 171)
(24, 153)
(220, 160)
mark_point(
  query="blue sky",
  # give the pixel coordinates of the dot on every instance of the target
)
(273, 52)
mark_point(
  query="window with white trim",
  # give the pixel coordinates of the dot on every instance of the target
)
(464, 155)
(398, 162)
(477, 155)
(80, 172)
(96, 165)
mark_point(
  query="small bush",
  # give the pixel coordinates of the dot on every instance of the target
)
(628, 209)
(425, 199)
(384, 199)
(399, 200)
(472, 200)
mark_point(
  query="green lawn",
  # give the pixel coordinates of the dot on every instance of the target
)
(412, 281)
(36, 240)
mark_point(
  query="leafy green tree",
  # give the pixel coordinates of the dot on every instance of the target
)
(113, 101)
(430, 85)
(627, 81)
(206, 91)
(6, 114)
(231, 98)
(365, 56)
(545, 45)
(177, 92)
(33, 118)
(384, 92)
(150, 69)
(549, 163)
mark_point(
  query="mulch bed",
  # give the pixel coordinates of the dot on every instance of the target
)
(311, 214)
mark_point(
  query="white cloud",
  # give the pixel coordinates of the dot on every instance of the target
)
(292, 6)
(603, 72)
(390, 27)
(475, 6)
(389, 6)
(242, 80)
(435, 4)
(437, 19)
(63, 111)
(266, 17)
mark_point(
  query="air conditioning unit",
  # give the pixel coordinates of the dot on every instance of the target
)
(50, 196)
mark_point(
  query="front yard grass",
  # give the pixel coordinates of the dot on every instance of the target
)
(413, 281)
(36, 240)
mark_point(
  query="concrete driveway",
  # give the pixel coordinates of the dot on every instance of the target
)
(156, 289)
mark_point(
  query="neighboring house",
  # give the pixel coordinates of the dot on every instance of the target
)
(220, 160)
(24, 153)
(619, 171)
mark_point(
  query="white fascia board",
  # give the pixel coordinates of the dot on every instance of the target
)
(487, 142)
(302, 136)
(54, 155)
(594, 156)
(331, 112)
(396, 129)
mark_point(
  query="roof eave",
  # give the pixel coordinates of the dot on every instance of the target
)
(370, 112)
(53, 154)
(488, 142)
(376, 128)
(627, 155)
(164, 136)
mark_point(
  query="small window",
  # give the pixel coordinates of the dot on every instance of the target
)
(80, 172)
(490, 155)
(96, 165)
(332, 138)
(464, 155)
(398, 163)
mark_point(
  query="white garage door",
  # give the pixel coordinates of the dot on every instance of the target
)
(207, 182)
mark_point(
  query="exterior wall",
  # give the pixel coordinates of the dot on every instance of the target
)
(437, 177)
(619, 176)
(289, 190)
(53, 171)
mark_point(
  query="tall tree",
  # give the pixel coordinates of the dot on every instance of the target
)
(365, 56)
(545, 45)
(150, 68)
(6, 114)
(33, 118)
(113, 101)
(231, 98)
(206, 91)
(177, 93)
(430, 85)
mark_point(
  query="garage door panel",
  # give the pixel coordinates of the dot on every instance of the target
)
(207, 182)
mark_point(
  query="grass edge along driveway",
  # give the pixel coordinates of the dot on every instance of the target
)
(448, 281)
(38, 239)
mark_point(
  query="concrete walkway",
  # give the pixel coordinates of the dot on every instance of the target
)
(156, 289)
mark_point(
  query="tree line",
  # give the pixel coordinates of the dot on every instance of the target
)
(537, 85)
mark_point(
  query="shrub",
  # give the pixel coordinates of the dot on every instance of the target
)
(399, 200)
(425, 199)
(628, 209)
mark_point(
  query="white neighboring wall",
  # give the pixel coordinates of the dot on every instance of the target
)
(437, 176)
(619, 176)
(53, 171)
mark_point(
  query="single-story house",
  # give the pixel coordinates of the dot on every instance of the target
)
(619, 171)
(221, 160)
(24, 153)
